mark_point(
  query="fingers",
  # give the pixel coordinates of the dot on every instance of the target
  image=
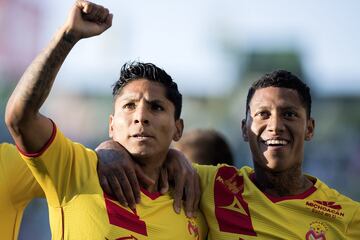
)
(85, 6)
(197, 194)
(164, 181)
(192, 194)
(94, 13)
(103, 15)
(125, 189)
(116, 189)
(108, 21)
(105, 185)
(189, 200)
(145, 179)
(179, 191)
(87, 19)
(133, 189)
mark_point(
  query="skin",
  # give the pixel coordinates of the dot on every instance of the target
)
(22, 112)
(276, 128)
(31, 130)
(143, 122)
(121, 176)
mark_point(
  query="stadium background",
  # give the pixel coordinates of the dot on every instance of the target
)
(213, 50)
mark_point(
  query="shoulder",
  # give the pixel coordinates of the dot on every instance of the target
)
(10, 160)
(60, 146)
(333, 194)
(7, 149)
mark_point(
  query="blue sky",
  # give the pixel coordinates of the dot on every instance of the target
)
(186, 37)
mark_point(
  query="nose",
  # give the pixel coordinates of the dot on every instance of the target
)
(276, 124)
(141, 115)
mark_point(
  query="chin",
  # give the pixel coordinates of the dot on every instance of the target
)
(139, 152)
(276, 168)
(275, 165)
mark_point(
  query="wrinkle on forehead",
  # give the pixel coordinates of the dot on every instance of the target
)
(139, 89)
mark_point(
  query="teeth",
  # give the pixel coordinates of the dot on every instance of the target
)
(140, 136)
(276, 142)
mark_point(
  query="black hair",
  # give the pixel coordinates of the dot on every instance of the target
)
(282, 79)
(136, 70)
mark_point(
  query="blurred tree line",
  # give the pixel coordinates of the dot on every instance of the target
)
(333, 155)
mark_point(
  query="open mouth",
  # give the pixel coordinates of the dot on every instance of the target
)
(141, 136)
(276, 142)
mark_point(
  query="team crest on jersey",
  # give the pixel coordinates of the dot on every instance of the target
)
(231, 210)
(326, 208)
(193, 229)
(317, 231)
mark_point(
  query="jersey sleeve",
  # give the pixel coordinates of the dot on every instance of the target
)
(62, 168)
(206, 173)
(18, 180)
(353, 231)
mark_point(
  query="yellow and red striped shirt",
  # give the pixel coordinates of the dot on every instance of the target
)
(79, 209)
(236, 209)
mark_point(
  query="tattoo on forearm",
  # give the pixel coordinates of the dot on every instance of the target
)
(37, 80)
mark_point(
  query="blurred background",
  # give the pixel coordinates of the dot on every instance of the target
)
(214, 50)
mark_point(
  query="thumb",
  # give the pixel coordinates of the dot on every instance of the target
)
(84, 6)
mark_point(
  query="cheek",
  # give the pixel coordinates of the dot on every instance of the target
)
(254, 131)
(119, 125)
(167, 128)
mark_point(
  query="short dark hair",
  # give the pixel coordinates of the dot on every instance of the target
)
(282, 79)
(136, 70)
(206, 146)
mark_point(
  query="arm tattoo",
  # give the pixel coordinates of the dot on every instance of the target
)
(37, 80)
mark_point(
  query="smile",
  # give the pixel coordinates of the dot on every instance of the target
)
(276, 142)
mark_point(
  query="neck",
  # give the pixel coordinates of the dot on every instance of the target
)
(152, 168)
(283, 183)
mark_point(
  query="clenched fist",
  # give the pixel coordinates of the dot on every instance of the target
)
(86, 19)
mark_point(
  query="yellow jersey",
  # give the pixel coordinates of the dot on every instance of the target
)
(236, 209)
(79, 209)
(17, 188)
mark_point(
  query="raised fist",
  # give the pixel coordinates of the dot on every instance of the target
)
(87, 19)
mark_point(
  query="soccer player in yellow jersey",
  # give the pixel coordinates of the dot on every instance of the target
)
(146, 118)
(275, 199)
(17, 188)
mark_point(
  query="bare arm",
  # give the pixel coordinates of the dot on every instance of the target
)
(28, 127)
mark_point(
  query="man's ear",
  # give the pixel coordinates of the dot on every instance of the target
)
(310, 129)
(111, 127)
(244, 130)
(179, 125)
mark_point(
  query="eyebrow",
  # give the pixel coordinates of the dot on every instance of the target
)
(286, 107)
(152, 101)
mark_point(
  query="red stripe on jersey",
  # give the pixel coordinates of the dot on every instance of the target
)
(43, 148)
(274, 199)
(231, 210)
(151, 195)
(123, 218)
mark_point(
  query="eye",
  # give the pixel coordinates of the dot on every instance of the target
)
(290, 114)
(262, 114)
(156, 107)
(129, 106)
